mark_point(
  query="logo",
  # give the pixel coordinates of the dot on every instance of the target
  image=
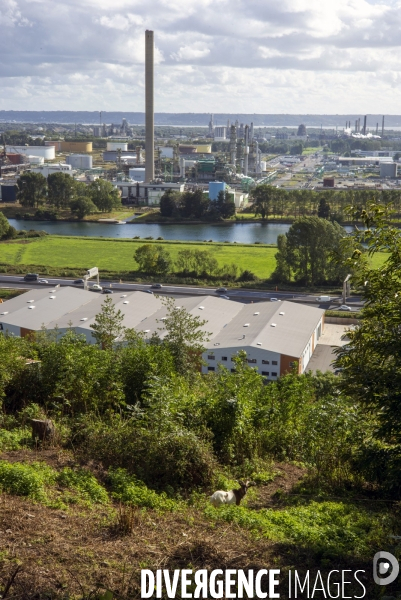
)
(385, 568)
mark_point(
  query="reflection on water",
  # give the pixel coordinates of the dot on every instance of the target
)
(246, 233)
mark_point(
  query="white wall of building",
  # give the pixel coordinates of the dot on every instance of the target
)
(47, 170)
(48, 152)
(266, 360)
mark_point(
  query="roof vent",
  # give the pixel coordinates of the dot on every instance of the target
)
(282, 313)
(201, 308)
(258, 343)
(52, 297)
(5, 313)
(123, 296)
(84, 319)
(31, 307)
(272, 325)
(29, 301)
(256, 313)
(146, 331)
(246, 325)
(217, 344)
(52, 291)
(126, 302)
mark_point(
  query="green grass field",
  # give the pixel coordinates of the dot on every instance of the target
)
(118, 255)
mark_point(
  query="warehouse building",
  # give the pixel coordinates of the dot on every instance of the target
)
(275, 335)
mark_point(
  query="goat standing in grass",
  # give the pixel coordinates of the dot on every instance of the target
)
(232, 497)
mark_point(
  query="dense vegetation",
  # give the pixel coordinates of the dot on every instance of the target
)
(196, 205)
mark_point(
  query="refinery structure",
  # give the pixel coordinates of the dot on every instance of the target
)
(231, 154)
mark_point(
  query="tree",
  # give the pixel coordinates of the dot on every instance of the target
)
(169, 203)
(104, 195)
(6, 230)
(225, 205)
(153, 258)
(324, 209)
(282, 273)
(371, 361)
(108, 324)
(32, 189)
(184, 338)
(314, 251)
(81, 205)
(262, 197)
(297, 148)
(194, 204)
(60, 189)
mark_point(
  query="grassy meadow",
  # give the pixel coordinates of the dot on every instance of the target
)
(118, 255)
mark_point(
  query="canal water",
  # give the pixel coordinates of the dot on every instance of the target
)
(246, 233)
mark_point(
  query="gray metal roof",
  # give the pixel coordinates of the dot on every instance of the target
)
(261, 325)
(230, 324)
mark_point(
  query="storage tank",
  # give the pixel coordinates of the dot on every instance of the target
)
(263, 165)
(388, 170)
(123, 146)
(36, 160)
(215, 187)
(79, 161)
(137, 174)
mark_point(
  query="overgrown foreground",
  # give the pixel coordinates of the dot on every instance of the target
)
(142, 440)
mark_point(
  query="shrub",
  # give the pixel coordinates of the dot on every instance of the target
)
(130, 490)
(83, 482)
(26, 479)
(13, 440)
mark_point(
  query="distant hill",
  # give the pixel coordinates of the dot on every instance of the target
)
(194, 119)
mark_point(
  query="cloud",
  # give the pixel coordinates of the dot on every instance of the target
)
(211, 55)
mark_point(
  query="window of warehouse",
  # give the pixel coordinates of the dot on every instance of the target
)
(274, 362)
(224, 358)
(265, 362)
(211, 357)
(252, 361)
(210, 368)
(274, 374)
(266, 373)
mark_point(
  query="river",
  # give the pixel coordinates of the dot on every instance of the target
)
(246, 233)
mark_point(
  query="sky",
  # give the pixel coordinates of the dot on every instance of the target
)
(239, 56)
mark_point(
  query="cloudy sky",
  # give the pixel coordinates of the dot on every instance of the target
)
(249, 56)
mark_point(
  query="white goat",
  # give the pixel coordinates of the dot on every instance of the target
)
(231, 497)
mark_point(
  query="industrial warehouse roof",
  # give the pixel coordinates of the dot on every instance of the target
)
(282, 327)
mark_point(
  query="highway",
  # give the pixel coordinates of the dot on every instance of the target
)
(242, 295)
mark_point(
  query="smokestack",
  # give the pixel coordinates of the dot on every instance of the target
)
(149, 107)
(383, 127)
(233, 145)
(364, 124)
(246, 150)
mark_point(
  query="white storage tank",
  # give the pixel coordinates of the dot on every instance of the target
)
(113, 146)
(80, 161)
(47, 152)
(137, 174)
(263, 165)
(36, 160)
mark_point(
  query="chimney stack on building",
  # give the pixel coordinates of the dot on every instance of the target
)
(149, 107)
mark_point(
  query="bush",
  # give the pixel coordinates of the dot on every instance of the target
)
(26, 479)
(84, 483)
(13, 440)
(247, 276)
(130, 490)
(176, 460)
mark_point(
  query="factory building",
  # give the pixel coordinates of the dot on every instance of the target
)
(115, 146)
(363, 161)
(146, 194)
(275, 335)
(220, 134)
(388, 170)
(46, 152)
(48, 169)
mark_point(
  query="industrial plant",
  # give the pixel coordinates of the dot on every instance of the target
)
(144, 161)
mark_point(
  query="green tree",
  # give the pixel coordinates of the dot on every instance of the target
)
(81, 204)
(153, 259)
(371, 361)
(7, 231)
(60, 189)
(32, 189)
(314, 252)
(324, 209)
(184, 337)
(169, 203)
(194, 204)
(262, 196)
(104, 195)
(108, 324)
(282, 273)
(186, 262)
(225, 205)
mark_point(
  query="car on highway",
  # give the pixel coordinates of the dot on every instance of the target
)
(221, 290)
(344, 307)
(96, 288)
(273, 300)
(107, 291)
(156, 286)
(78, 282)
(31, 277)
(43, 281)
